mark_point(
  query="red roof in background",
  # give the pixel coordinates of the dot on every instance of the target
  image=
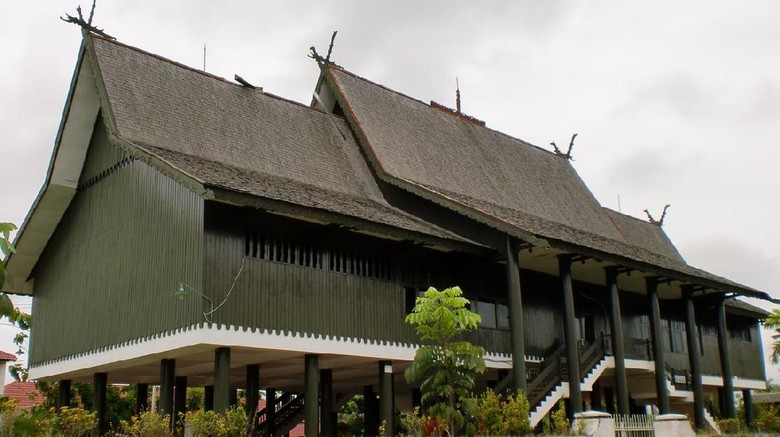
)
(5, 356)
(24, 392)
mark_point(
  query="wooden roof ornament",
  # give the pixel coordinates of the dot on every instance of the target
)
(659, 222)
(86, 24)
(326, 60)
(568, 154)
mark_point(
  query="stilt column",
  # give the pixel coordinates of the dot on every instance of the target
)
(516, 324)
(747, 401)
(656, 336)
(63, 394)
(694, 349)
(208, 398)
(100, 381)
(569, 323)
(725, 360)
(270, 411)
(328, 425)
(167, 374)
(386, 396)
(222, 379)
(179, 398)
(141, 398)
(311, 394)
(618, 344)
(252, 392)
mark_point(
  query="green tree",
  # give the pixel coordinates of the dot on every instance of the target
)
(773, 322)
(8, 311)
(444, 366)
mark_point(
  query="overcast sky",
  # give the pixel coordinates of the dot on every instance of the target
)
(674, 102)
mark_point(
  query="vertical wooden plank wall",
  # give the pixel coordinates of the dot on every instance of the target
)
(115, 261)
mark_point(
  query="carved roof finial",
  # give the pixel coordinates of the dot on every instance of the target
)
(85, 24)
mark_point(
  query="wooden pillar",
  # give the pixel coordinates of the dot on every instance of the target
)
(386, 396)
(208, 398)
(63, 394)
(656, 335)
(328, 425)
(371, 416)
(569, 324)
(179, 399)
(167, 373)
(516, 324)
(141, 398)
(222, 379)
(725, 360)
(595, 397)
(618, 343)
(270, 411)
(311, 395)
(416, 398)
(747, 401)
(100, 381)
(252, 389)
(694, 349)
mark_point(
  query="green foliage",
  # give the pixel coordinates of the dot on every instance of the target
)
(494, 415)
(44, 422)
(730, 426)
(773, 322)
(232, 423)
(75, 422)
(352, 415)
(444, 368)
(767, 418)
(6, 248)
(147, 425)
(417, 424)
(559, 423)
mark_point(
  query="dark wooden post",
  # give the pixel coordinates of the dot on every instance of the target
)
(328, 426)
(693, 358)
(270, 410)
(252, 393)
(222, 379)
(725, 360)
(208, 398)
(371, 416)
(179, 399)
(618, 344)
(141, 398)
(656, 336)
(167, 373)
(747, 400)
(311, 395)
(569, 324)
(100, 381)
(516, 324)
(386, 396)
(63, 394)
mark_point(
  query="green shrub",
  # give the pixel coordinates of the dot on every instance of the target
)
(75, 422)
(147, 425)
(232, 423)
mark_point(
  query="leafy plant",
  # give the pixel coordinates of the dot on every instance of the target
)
(559, 423)
(75, 422)
(445, 368)
(231, 423)
(147, 425)
(773, 322)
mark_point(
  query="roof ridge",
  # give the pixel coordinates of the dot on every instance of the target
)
(627, 215)
(204, 73)
(520, 140)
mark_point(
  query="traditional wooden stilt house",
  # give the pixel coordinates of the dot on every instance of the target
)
(196, 232)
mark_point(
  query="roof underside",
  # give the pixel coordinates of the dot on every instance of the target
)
(498, 178)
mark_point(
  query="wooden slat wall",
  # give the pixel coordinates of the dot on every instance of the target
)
(110, 271)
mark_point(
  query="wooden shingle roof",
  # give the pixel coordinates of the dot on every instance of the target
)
(502, 181)
(243, 140)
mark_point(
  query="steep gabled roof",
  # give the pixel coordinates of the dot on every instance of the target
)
(502, 181)
(241, 139)
(212, 134)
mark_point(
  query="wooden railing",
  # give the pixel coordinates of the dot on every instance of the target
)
(283, 411)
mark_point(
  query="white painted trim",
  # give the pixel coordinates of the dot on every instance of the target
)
(221, 336)
(739, 383)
